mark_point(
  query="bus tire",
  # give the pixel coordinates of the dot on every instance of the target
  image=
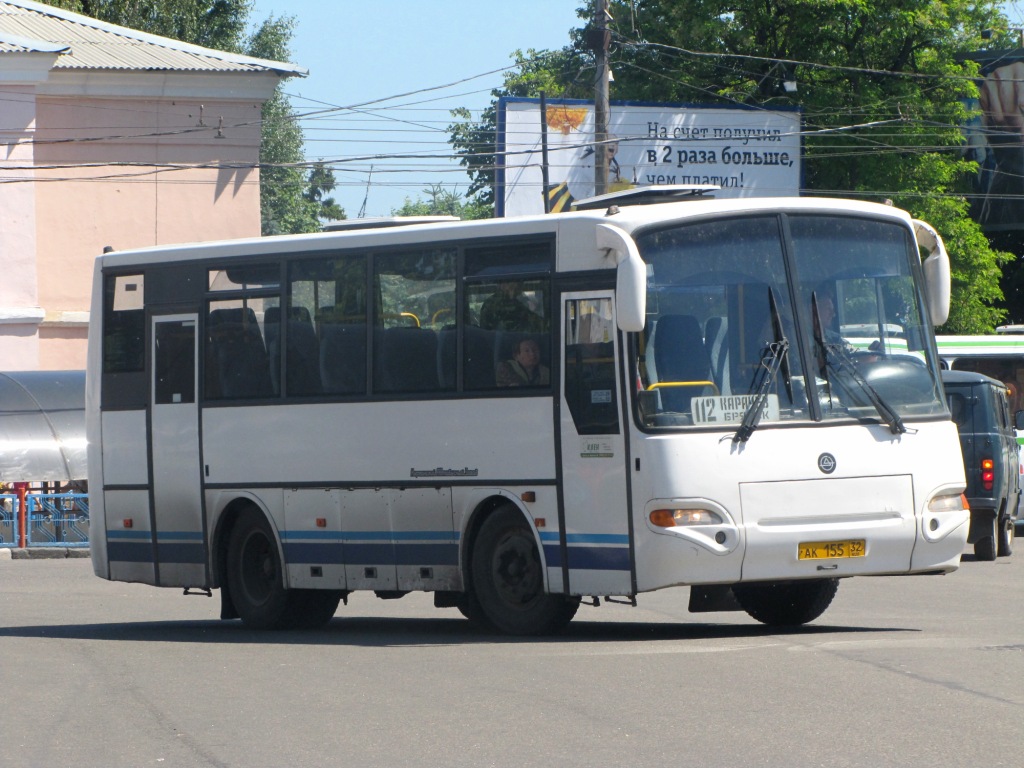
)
(786, 603)
(508, 578)
(987, 547)
(470, 608)
(256, 580)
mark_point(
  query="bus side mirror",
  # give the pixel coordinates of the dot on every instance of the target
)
(936, 271)
(630, 278)
(1018, 420)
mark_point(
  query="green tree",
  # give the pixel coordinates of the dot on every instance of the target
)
(560, 73)
(218, 24)
(880, 82)
(320, 182)
(443, 202)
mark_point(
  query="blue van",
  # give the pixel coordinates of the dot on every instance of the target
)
(980, 407)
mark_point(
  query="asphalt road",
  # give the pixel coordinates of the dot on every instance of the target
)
(923, 671)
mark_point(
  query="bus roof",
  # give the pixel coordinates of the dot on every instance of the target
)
(564, 225)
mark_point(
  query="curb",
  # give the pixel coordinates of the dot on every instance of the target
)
(43, 553)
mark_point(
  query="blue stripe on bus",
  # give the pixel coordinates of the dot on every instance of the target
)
(129, 535)
(130, 551)
(371, 554)
(370, 548)
(173, 547)
(599, 558)
(169, 553)
(589, 558)
(372, 535)
(596, 538)
(160, 535)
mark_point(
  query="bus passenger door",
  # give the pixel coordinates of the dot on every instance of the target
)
(596, 552)
(178, 530)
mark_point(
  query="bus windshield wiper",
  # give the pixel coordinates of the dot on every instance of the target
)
(839, 360)
(772, 359)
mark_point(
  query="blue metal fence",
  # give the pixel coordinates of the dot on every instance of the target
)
(8, 520)
(60, 519)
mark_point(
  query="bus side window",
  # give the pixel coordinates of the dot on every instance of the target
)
(326, 351)
(237, 365)
(124, 324)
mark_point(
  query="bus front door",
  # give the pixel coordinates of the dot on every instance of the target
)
(597, 555)
(178, 530)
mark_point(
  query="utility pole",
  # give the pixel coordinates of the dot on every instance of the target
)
(600, 42)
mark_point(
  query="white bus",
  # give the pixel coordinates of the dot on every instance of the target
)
(1000, 356)
(519, 415)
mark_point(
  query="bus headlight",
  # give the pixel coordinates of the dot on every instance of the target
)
(945, 513)
(670, 518)
(950, 503)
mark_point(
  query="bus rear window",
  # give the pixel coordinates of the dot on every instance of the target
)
(124, 324)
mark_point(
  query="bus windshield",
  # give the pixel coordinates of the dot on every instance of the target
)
(794, 317)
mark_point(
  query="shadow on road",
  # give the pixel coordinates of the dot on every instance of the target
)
(394, 632)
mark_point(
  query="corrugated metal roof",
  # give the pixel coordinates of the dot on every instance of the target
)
(93, 44)
(16, 44)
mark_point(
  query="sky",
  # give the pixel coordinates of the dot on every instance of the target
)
(368, 55)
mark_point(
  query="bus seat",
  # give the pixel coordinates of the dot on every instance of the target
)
(447, 350)
(343, 358)
(302, 359)
(303, 351)
(680, 355)
(478, 351)
(405, 360)
(236, 356)
(716, 341)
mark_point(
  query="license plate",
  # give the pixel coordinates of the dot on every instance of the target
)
(828, 550)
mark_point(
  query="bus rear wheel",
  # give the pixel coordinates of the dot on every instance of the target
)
(786, 603)
(256, 580)
(508, 579)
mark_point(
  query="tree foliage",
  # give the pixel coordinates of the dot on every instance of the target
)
(218, 24)
(292, 199)
(881, 84)
(439, 201)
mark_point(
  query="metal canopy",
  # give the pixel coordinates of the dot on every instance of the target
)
(42, 426)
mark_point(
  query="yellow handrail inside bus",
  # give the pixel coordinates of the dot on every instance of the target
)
(660, 384)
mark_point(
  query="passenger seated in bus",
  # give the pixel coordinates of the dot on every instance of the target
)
(524, 369)
(507, 310)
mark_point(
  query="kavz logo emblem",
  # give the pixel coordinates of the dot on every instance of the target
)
(827, 463)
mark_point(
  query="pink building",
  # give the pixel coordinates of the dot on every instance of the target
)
(111, 137)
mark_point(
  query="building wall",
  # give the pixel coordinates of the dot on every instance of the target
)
(141, 185)
(19, 304)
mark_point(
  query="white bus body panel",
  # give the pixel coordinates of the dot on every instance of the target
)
(397, 502)
(125, 464)
(343, 443)
(774, 497)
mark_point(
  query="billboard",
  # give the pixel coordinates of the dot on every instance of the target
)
(748, 152)
(995, 140)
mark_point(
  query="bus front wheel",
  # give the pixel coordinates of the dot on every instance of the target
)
(786, 603)
(256, 580)
(508, 579)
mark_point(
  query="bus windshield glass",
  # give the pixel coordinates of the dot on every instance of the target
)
(797, 317)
